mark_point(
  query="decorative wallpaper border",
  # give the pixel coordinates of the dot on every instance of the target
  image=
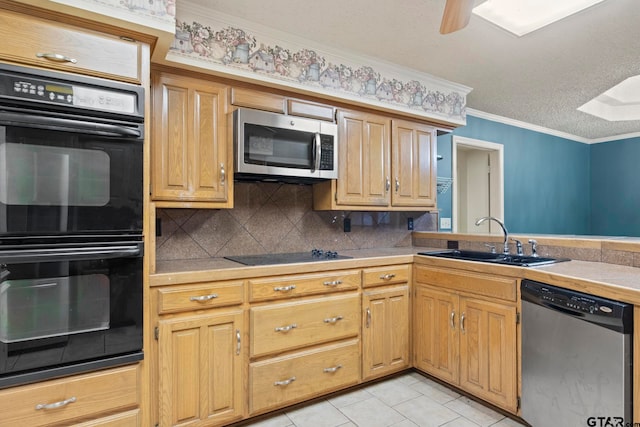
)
(212, 40)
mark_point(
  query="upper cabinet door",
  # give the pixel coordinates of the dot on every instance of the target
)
(414, 164)
(190, 153)
(364, 164)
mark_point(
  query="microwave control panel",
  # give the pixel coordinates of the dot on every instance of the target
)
(326, 150)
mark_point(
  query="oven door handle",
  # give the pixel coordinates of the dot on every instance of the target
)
(9, 118)
(71, 254)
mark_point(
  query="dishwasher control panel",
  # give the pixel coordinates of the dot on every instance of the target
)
(588, 307)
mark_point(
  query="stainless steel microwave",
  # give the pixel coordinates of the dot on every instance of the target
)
(282, 147)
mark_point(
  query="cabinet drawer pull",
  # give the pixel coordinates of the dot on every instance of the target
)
(238, 342)
(332, 370)
(397, 184)
(203, 298)
(286, 328)
(462, 322)
(387, 185)
(56, 57)
(284, 288)
(55, 405)
(223, 174)
(285, 382)
(453, 316)
(333, 319)
(333, 283)
(387, 276)
(368, 317)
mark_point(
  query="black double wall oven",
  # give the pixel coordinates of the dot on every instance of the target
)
(71, 215)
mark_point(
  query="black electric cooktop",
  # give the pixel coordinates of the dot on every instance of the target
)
(287, 258)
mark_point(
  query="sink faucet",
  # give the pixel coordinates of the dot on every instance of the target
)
(504, 230)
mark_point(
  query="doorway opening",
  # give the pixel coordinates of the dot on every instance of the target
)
(478, 184)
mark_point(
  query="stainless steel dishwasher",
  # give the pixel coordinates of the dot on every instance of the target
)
(576, 358)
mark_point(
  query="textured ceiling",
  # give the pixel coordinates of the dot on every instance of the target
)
(540, 78)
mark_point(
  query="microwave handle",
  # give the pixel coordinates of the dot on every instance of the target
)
(317, 150)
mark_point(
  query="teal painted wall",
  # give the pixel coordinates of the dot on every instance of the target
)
(615, 188)
(547, 178)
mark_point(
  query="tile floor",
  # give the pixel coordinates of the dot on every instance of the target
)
(407, 400)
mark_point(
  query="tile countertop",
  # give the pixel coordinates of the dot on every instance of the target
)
(602, 279)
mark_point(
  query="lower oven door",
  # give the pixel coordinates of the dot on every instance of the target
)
(66, 310)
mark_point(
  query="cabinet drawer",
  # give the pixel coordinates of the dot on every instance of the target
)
(292, 325)
(94, 393)
(260, 100)
(385, 275)
(303, 284)
(283, 380)
(466, 281)
(124, 419)
(204, 295)
(24, 37)
(297, 107)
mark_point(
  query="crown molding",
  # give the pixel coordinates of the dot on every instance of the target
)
(542, 129)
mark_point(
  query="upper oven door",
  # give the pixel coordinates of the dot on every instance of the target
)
(70, 155)
(55, 182)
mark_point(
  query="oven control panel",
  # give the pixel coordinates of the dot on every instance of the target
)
(45, 90)
(73, 95)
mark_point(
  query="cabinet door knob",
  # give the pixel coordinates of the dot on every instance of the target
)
(368, 318)
(223, 174)
(462, 322)
(453, 317)
(387, 184)
(238, 342)
(397, 184)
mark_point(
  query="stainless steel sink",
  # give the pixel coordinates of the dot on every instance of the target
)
(507, 259)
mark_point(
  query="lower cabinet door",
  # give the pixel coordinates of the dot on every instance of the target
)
(436, 341)
(385, 332)
(488, 351)
(201, 369)
(292, 378)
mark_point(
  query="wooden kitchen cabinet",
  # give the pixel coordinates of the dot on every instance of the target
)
(190, 149)
(110, 397)
(413, 148)
(383, 164)
(292, 325)
(201, 368)
(385, 320)
(364, 164)
(465, 338)
(385, 331)
(268, 101)
(32, 41)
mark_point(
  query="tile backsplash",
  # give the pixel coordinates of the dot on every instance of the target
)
(278, 218)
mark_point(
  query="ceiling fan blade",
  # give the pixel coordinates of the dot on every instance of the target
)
(456, 15)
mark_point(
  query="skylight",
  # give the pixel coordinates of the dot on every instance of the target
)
(620, 103)
(524, 16)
